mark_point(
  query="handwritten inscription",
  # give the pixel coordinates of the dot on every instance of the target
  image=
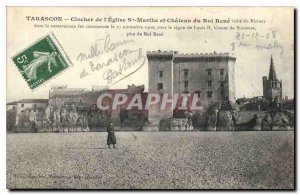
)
(107, 47)
(110, 75)
(111, 60)
(255, 35)
(250, 41)
(120, 63)
(267, 46)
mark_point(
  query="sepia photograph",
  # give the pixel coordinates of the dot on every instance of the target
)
(150, 98)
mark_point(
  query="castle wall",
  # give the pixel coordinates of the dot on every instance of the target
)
(231, 80)
(59, 100)
(160, 62)
(189, 73)
(198, 78)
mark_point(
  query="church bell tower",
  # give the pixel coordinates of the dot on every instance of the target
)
(272, 87)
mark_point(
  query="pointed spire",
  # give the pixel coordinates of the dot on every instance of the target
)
(272, 73)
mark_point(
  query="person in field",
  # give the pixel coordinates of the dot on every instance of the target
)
(111, 138)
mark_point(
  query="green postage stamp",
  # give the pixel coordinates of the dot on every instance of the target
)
(42, 61)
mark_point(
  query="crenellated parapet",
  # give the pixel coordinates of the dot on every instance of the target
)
(203, 57)
(158, 55)
(69, 93)
(178, 57)
(82, 92)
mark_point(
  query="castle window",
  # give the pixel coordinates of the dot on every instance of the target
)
(160, 76)
(34, 105)
(186, 84)
(221, 72)
(198, 93)
(209, 83)
(209, 71)
(185, 73)
(160, 86)
(22, 105)
(209, 94)
(221, 85)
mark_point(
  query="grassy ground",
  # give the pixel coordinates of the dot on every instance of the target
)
(181, 160)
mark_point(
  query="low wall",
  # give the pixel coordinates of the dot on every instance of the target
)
(176, 124)
(224, 120)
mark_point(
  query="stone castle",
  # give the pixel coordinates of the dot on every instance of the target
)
(209, 75)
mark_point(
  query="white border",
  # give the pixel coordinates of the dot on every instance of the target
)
(4, 3)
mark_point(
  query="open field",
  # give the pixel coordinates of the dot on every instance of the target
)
(152, 160)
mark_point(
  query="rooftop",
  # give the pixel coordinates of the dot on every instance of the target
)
(45, 101)
(177, 55)
(12, 103)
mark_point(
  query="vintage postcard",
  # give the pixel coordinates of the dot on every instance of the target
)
(150, 98)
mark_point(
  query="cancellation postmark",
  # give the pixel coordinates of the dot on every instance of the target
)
(42, 61)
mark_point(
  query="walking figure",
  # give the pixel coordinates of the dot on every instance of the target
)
(111, 138)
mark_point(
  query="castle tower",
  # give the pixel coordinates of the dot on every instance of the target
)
(272, 87)
(209, 76)
(160, 69)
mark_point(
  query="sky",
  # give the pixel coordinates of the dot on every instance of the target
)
(252, 43)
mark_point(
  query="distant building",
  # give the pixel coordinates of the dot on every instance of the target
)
(210, 76)
(272, 87)
(57, 110)
(11, 106)
(30, 109)
(23, 112)
(60, 96)
(11, 113)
